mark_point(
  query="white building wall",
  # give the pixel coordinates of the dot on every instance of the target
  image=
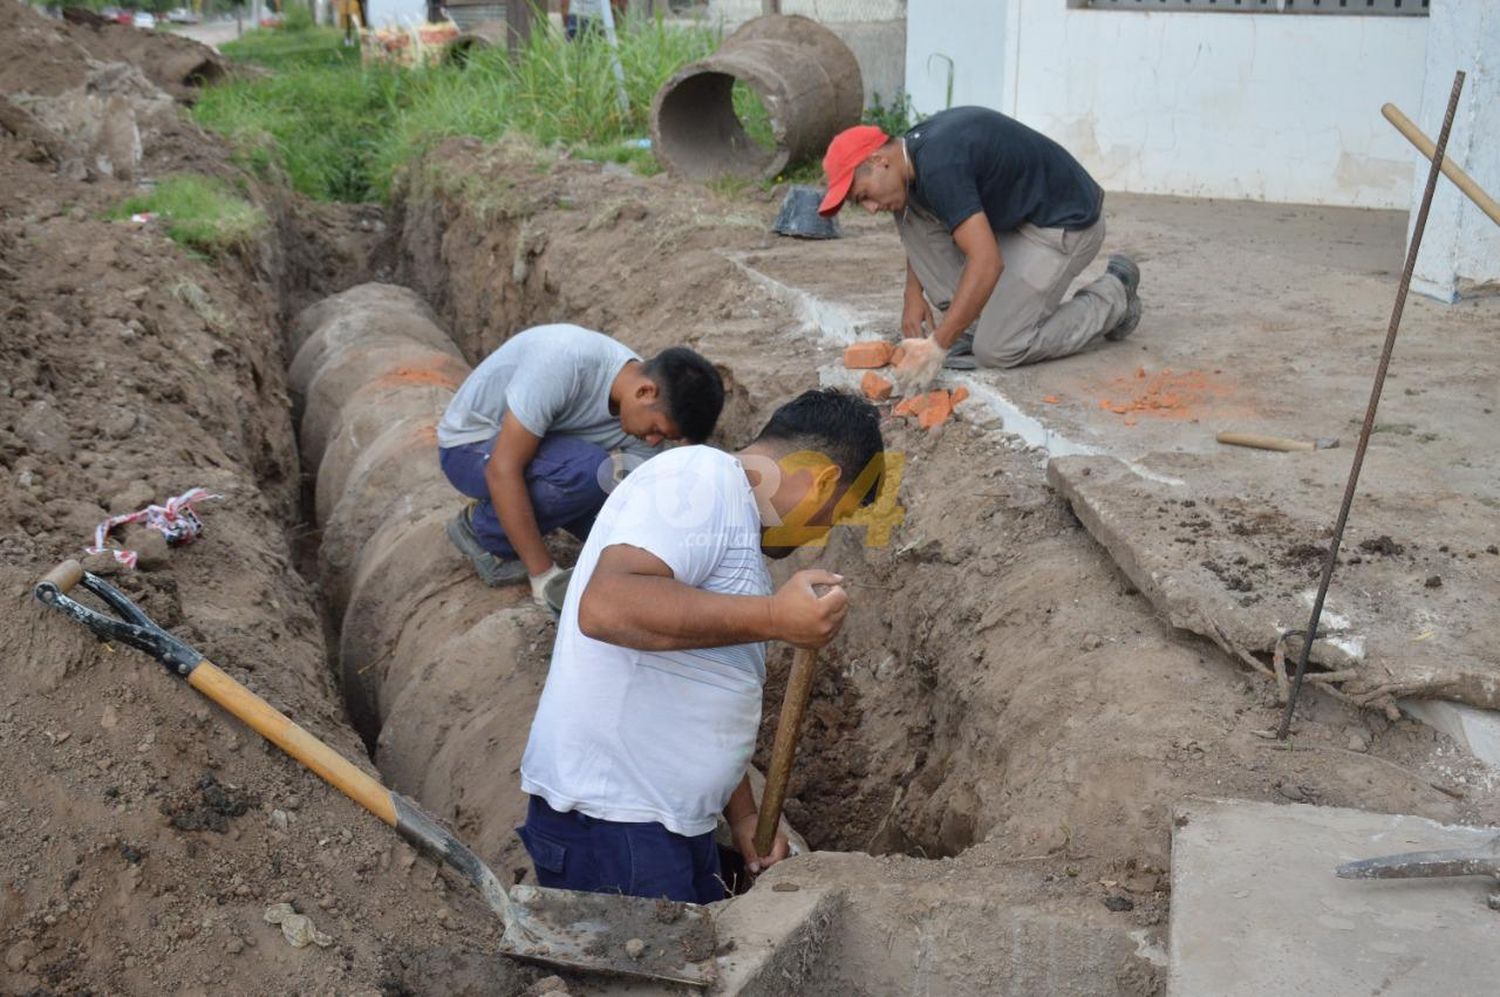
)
(1461, 242)
(1274, 107)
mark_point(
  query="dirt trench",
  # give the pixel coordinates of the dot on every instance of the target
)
(1003, 723)
(1001, 693)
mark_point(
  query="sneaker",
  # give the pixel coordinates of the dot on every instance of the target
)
(1126, 325)
(492, 569)
(1123, 269)
(961, 354)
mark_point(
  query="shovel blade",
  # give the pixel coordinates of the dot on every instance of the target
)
(599, 932)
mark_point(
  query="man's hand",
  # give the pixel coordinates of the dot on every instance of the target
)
(802, 617)
(743, 831)
(919, 365)
(917, 317)
(539, 585)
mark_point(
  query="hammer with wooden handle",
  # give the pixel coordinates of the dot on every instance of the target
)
(1260, 442)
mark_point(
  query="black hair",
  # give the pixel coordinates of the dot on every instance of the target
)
(690, 389)
(835, 423)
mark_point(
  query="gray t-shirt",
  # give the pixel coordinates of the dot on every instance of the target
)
(554, 379)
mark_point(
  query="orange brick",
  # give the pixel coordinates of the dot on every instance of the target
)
(915, 405)
(959, 394)
(871, 353)
(939, 411)
(875, 387)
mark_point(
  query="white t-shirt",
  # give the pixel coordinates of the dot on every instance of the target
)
(638, 736)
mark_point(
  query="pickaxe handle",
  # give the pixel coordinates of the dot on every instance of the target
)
(784, 750)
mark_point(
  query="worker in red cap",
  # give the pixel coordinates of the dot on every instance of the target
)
(997, 220)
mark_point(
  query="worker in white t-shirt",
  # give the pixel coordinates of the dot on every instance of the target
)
(649, 716)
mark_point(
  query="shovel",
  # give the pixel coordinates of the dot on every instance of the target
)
(627, 936)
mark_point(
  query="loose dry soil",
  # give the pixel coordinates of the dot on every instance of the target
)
(1004, 716)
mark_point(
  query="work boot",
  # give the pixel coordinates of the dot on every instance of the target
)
(1123, 269)
(492, 569)
(961, 353)
(1126, 325)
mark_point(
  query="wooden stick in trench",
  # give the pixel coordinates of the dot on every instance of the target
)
(784, 750)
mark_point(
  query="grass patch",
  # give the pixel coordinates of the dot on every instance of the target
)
(278, 48)
(340, 131)
(198, 212)
(322, 126)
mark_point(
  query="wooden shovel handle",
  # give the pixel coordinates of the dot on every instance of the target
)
(1259, 442)
(277, 728)
(784, 750)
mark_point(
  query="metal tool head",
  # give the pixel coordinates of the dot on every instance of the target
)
(1479, 860)
(606, 932)
(1325, 443)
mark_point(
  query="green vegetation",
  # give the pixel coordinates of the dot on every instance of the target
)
(339, 130)
(342, 131)
(283, 49)
(199, 212)
(894, 118)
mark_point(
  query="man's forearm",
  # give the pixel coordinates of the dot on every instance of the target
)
(517, 517)
(975, 285)
(741, 802)
(913, 283)
(656, 613)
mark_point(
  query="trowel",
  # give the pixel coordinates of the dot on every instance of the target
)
(606, 933)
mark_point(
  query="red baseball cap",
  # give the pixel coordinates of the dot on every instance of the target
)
(846, 152)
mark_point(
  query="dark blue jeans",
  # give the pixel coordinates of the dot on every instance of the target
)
(572, 851)
(562, 480)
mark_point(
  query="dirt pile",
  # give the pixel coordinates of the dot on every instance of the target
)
(147, 832)
(178, 65)
(91, 98)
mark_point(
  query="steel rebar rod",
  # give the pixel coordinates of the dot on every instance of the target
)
(1311, 633)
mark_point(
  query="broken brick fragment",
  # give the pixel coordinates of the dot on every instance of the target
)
(938, 412)
(959, 394)
(869, 354)
(875, 387)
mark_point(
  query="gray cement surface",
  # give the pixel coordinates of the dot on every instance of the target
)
(1231, 545)
(1257, 910)
(1259, 318)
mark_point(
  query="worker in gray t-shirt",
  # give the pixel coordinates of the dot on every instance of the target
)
(530, 433)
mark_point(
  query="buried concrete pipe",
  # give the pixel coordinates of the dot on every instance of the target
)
(806, 78)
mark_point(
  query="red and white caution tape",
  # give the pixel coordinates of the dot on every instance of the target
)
(175, 520)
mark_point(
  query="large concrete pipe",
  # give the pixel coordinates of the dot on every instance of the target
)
(441, 674)
(807, 79)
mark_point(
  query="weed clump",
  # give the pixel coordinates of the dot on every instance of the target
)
(201, 213)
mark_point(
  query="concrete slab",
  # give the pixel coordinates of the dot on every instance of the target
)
(775, 937)
(1476, 731)
(1257, 910)
(1230, 546)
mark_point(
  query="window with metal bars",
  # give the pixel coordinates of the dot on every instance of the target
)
(1379, 8)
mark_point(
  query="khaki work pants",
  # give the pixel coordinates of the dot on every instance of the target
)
(1025, 320)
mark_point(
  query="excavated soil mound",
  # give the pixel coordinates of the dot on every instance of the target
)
(145, 831)
(177, 64)
(103, 100)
